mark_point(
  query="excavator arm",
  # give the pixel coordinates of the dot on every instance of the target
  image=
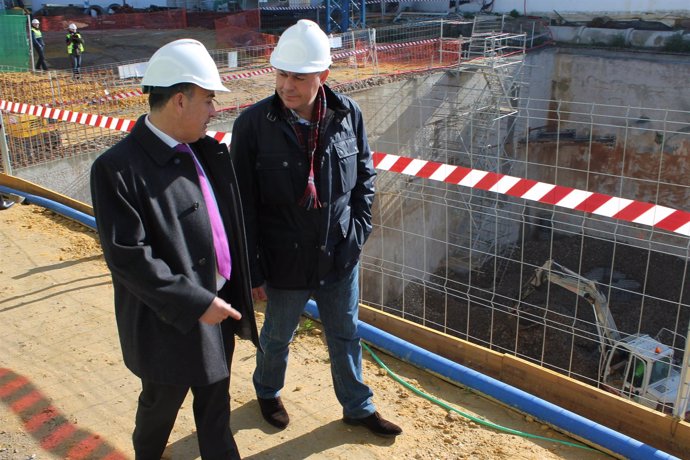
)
(553, 272)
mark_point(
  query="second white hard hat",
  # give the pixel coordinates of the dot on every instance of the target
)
(302, 48)
(72, 27)
(182, 61)
(34, 22)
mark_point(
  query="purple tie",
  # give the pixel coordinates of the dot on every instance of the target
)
(220, 239)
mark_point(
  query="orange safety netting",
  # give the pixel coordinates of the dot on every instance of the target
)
(242, 30)
(170, 19)
(414, 54)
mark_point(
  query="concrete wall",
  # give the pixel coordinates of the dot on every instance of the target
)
(647, 39)
(631, 114)
(592, 8)
(68, 176)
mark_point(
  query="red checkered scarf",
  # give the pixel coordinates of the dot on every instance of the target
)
(310, 199)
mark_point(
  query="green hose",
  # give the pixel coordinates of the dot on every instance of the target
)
(468, 416)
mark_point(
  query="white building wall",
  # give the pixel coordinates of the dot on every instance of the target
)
(592, 7)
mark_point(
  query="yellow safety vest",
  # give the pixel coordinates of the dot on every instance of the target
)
(70, 45)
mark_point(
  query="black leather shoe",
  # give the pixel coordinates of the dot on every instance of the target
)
(274, 412)
(376, 424)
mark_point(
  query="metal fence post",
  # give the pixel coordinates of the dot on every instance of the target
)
(4, 150)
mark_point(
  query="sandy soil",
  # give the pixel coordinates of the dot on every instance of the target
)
(58, 331)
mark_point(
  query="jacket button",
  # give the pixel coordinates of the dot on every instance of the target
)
(196, 205)
(202, 261)
(323, 248)
(285, 163)
(176, 161)
(296, 245)
(322, 282)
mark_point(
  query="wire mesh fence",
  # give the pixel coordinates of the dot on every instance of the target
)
(459, 258)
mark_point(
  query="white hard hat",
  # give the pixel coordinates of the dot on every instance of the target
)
(72, 27)
(34, 21)
(183, 61)
(303, 48)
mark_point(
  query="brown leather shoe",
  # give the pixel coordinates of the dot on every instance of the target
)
(376, 424)
(274, 412)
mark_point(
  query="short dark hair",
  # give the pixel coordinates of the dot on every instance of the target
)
(159, 96)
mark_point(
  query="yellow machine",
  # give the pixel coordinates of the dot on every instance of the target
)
(31, 135)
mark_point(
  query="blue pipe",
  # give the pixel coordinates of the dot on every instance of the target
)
(542, 410)
(59, 208)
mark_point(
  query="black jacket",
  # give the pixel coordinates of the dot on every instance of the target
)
(290, 247)
(159, 248)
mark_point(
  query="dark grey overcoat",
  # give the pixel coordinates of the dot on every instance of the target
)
(157, 242)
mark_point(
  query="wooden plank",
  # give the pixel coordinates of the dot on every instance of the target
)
(635, 420)
(34, 189)
(646, 425)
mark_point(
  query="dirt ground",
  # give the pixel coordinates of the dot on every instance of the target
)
(58, 332)
(108, 46)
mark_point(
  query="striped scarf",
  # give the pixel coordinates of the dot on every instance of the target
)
(310, 198)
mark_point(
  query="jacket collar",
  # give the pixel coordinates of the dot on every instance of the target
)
(333, 102)
(158, 150)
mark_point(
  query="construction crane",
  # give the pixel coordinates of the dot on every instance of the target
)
(636, 366)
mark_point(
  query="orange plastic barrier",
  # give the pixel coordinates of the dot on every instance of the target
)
(169, 19)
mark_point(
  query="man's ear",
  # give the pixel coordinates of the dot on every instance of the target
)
(178, 100)
(324, 75)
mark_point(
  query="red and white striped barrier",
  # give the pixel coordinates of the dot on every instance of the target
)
(309, 7)
(119, 96)
(639, 212)
(253, 73)
(99, 121)
(406, 44)
(579, 200)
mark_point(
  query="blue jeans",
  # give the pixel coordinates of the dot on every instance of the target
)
(338, 308)
(76, 62)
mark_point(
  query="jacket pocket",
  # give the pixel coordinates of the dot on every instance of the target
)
(348, 250)
(346, 153)
(275, 179)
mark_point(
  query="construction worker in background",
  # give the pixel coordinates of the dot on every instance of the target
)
(306, 176)
(170, 223)
(39, 44)
(75, 47)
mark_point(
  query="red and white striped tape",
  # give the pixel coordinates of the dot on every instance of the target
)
(406, 44)
(309, 7)
(253, 73)
(106, 98)
(579, 200)
(98, 121)
(118, 96)
(624, 209)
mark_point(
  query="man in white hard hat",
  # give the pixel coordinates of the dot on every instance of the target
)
(168, 214)
(39, 44)
(307, 181)
(75, 48)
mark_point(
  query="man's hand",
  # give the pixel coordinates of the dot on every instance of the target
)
(259, 294)
(218, 311)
